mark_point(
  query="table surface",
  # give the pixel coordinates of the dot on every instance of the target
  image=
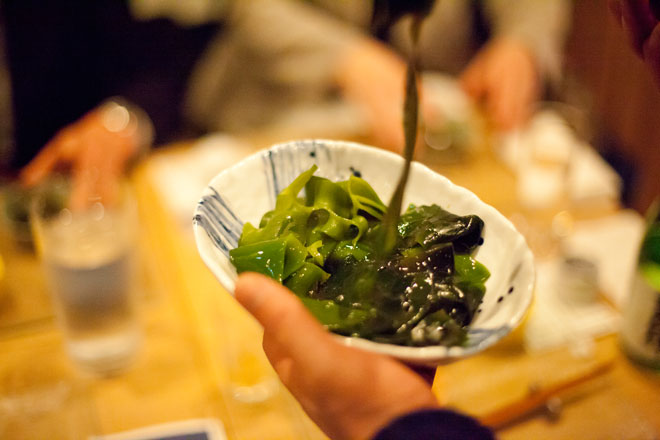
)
(202, 352)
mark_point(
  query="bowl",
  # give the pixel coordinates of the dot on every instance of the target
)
(247, 190)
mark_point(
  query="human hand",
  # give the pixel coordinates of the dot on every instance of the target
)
(349, 393)
(95, 148)
(642, 28)
(373, 77)
(504, 76)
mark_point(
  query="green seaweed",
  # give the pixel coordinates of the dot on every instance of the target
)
(325, 247)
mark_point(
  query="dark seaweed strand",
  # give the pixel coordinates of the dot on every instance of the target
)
(410, 120)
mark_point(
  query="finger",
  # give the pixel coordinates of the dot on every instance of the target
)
(277, 355)
(654, 5)
(109, 152)
(98, 163)
(637, 22)
(39, 167)
(81, 190)
(501, 95)
(512, 92)
(652, 53)
(109, 183)
(472, 79)
(504, 109)
(519, 111)
(110, 159)
(64, 147)
(511, 103)
(615, 9)
(385, 118)
(84, 179)
(284, 318)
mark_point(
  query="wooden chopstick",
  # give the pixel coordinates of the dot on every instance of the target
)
(537, 399)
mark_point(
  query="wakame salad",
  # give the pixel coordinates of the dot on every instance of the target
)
(324, 247)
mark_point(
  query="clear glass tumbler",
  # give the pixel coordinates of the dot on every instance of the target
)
(88, 257)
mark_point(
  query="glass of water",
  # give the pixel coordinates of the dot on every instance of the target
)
(88, 257)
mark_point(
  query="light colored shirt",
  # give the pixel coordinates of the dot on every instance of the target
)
(280, 54)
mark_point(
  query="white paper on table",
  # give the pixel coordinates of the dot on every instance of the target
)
(554, 323)
(549, 138)
(197, 429)
(612, 244)
(180, 178)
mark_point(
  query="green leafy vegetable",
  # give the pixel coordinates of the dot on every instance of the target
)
(427, 225)
(324, 247)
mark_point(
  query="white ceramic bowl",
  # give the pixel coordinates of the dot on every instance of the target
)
(244, 192)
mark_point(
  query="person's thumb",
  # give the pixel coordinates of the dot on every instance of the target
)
(283, 316)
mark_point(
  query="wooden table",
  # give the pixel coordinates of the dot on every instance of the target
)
(201, 347)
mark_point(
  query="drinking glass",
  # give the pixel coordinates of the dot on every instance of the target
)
(87, 255)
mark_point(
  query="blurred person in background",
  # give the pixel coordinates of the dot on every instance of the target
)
(504, 51)
(640, 20)
(222, 65)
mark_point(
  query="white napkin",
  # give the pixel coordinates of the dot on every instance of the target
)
(549, 159)
(553, 322)
(611, 243)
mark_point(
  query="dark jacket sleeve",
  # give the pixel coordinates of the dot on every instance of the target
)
(436, 424)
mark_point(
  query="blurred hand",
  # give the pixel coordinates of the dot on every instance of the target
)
(503, 76)
(95, 148)
(349, 393)
(373, 77)
(642, 29)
